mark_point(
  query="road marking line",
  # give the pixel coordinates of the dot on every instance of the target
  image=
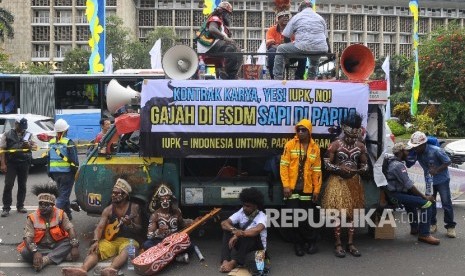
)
(64, 264)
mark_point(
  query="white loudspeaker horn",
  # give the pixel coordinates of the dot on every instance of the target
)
(180, 62)
(118, 96)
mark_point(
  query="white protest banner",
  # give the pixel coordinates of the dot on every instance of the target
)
(195, 117)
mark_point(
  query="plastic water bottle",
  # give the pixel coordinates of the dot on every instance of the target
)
(260, 260)
(131, 254)
(264, 72)
(429, 182)
(202, 69)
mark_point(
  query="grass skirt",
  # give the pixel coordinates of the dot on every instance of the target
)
(345, 194)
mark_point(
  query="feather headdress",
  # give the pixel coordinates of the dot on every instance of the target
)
(282, 7)
(46, 192)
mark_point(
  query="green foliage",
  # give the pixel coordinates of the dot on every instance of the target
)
(6, 66)
(6, 24)
(453, 114)
(39, 68)
(442, 65)
(429, 126)
(139, 51)
(118, 39)
(76, 61)
(396, 128)
(431, 111)
(129, 52)
(402, 111)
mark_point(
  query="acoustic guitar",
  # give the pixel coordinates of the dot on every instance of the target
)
(112, 229)
(157, 257)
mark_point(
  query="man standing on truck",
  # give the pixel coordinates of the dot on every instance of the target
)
(310, 33)
(62, 164)
(15, 163)
(300, 170)
(121, 221)
(435, 161)
(216, 29)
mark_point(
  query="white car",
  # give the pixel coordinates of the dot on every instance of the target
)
(41, 128)
(456, 151)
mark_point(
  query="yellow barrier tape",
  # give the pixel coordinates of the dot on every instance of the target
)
(65, 158)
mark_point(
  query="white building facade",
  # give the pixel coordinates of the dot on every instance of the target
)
(46, 29)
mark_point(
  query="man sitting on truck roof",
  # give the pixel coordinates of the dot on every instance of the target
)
(311, 37)
(105, 246)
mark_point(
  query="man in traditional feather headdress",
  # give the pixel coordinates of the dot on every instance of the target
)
(275, 37)
(49, 236)
(310, 32)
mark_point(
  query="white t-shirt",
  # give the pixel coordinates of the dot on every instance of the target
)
(241, 218)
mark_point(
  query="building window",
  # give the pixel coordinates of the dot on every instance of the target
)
(388, 38)
(372, 38)
(82, 33)
(40, 3)
(62, 3)
(61, 50)
(63, 17)
(40, 51)
(40, 33)
(405, 39)
(370, 9)
(41, 17)
(356, 37)
(63, 33)
(147, 18)
(387, 10)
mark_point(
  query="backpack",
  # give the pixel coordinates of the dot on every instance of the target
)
(203, 36)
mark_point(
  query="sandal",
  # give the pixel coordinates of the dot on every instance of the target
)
(354, 251)
(339, 253)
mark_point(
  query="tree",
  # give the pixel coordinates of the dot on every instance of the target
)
(139, 51)
(6, 24)
(76, 61)
(442, 74)
(442, 65)
(118, 40)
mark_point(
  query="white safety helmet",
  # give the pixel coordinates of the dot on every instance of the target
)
(61, 125)
(225, 5)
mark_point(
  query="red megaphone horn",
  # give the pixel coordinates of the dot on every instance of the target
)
(357, 62)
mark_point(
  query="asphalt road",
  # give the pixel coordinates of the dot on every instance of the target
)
(400, 256)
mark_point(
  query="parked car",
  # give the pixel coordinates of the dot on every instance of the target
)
(456, 151)
(41, 128)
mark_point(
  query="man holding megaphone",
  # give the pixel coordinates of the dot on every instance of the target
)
(215, 37)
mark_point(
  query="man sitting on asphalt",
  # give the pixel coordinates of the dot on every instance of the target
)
(401, 188)
(120, 210)
(49, 236)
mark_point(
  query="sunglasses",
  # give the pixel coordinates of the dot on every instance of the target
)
(281, 16)
(44, 204)
(116, 193)
(301, 129)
